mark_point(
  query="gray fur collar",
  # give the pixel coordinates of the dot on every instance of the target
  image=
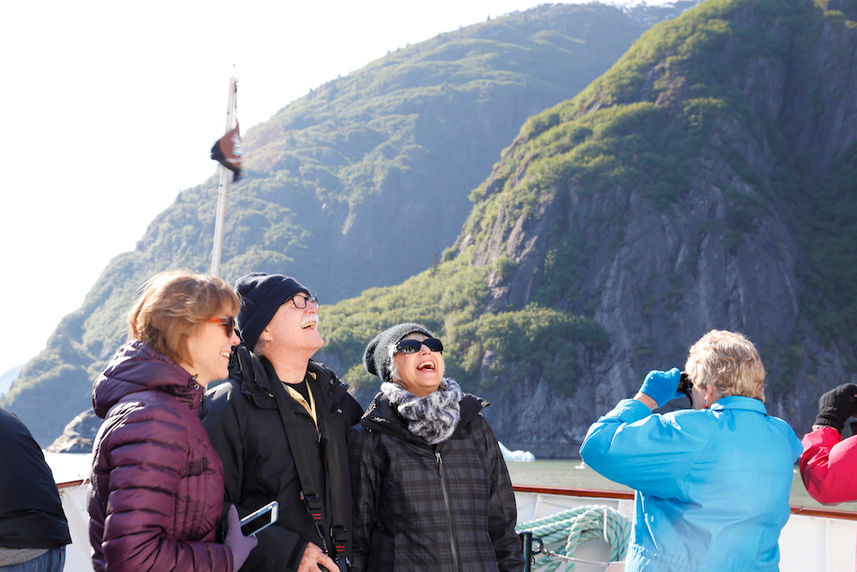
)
(433, 417)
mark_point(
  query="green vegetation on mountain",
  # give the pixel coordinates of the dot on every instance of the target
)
(450, 300)
(363, 182)
(703, 181)
(404, 140)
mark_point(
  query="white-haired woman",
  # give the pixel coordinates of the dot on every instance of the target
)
(712, 483)
(431, 489)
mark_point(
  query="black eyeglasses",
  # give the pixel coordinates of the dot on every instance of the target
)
(228, 322)
(413, 346)
(301, 300)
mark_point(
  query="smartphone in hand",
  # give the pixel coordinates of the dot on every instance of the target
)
(260, 519)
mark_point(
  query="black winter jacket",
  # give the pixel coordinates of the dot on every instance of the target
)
(417, 507)
(31, 513)
(245, 418)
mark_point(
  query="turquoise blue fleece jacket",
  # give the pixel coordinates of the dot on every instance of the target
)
(712, 486)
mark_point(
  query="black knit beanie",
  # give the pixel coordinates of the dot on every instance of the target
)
(261, 296)
(376, 358)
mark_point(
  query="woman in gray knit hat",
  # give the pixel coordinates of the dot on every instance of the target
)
(430, 485)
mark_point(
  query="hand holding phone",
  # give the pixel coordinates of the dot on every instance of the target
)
(260, 519)
(239, 545)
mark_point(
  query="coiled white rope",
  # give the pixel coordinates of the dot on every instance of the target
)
(575, 526)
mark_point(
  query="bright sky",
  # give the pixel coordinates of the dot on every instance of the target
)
(111, 109)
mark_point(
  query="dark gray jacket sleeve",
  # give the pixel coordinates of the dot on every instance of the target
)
(364, 490)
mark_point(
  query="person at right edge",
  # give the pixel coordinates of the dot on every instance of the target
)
(279, 424)
(711, 483)
(828, 465)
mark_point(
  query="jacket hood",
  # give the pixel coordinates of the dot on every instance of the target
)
(256, 376)
(136, 367)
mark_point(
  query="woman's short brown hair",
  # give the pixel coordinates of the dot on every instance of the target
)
(730, 362)
(174, 305)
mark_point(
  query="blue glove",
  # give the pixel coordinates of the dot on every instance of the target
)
(662, 386)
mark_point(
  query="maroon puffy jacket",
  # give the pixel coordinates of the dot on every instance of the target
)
(157, 485)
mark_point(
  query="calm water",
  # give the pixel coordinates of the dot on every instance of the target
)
(547, 473)
(572, 473)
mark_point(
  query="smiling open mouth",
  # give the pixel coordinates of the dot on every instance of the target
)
(426, 365)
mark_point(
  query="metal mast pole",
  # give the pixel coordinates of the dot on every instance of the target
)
(223, 187)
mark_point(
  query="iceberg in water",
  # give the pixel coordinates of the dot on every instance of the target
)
(516, 455)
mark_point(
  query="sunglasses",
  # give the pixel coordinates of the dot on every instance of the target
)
(227, 322)
(413, 346)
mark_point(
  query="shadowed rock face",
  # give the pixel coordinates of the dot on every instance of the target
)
(78, 435)
(722, 252)
(845, 6)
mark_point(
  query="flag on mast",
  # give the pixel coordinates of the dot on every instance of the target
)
(227, 152)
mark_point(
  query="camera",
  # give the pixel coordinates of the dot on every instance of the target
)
(684, 386)
(684, 383)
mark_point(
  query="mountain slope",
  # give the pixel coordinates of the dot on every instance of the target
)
(342, 183)
(7, 378)
(705, 181)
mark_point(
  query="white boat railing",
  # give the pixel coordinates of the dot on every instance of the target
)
(73, 495)
(817, 539)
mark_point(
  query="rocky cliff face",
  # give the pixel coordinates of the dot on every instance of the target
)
(704, 182)
(719, 250)
(79, 435)
(337, 181)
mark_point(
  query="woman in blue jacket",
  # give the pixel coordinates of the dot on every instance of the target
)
(712, 483)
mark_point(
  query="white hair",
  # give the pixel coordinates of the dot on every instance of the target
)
(394, 369)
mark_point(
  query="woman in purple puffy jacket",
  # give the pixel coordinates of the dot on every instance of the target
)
(157, 485)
